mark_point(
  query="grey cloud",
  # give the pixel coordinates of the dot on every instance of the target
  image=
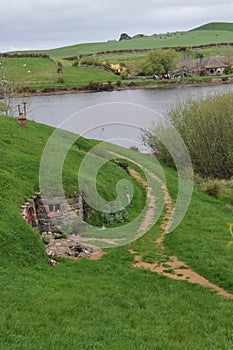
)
(48, 23)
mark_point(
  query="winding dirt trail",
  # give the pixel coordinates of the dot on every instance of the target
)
(174, 268)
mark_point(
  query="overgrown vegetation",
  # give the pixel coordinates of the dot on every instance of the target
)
(205, 125)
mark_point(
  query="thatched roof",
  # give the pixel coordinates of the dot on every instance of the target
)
(212, 62)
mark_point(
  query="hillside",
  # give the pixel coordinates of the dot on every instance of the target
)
(216, 26)
(21, 152)
(108, 304)
(211, 33)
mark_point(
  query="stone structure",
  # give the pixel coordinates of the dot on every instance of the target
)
(52, 212)
(49, 216)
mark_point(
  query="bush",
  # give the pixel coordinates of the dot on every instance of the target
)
(48, 89)
(24, 88)
(213, 188)
(3, 107)
(228, 70)
(134, 148)
(60, 80)
(205, 125)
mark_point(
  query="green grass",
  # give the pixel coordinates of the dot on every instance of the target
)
(211, 33)
(42, 72)
(189, 38)
(29, 70)
(106, 304)
(84, 75)
(216, 26)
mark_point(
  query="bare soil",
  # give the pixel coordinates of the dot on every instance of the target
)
(174, 268)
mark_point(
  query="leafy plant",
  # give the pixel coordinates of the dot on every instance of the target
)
(205, 125)
(230, 244)
(60, 80)
(213, 188)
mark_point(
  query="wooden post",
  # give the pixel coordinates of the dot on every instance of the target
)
(24, 108)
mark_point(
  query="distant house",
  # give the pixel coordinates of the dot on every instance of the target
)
(212, 66)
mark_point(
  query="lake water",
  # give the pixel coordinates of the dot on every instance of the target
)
(116, 116)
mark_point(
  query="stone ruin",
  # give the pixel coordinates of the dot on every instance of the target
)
(49, 215)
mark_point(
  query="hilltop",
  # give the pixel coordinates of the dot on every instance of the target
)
(228, 27)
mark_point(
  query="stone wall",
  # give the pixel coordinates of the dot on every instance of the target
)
(47, 213)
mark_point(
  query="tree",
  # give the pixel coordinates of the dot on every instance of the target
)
(8, 87)
(3, 107)
(159, 62)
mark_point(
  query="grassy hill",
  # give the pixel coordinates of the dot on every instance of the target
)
(216, 26)
(170, 40)
(106, 304)
(211, 33)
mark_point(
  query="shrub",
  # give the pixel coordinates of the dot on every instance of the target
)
(205, 125)
(60, 236)
(75, 64)
(134, 148)
(60, 80)
(213, 188)
(3, 107)
(228, 70)
(48, 89)
(24, 88)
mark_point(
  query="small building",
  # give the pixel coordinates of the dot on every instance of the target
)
(45, 213)
(212, 66)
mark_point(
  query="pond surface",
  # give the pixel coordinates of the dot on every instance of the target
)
(116, 116)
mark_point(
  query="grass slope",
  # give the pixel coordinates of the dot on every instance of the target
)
(211, 33)
(189, 38)
(105, 304)
(42, 72)
(216, 26)
(21, 151)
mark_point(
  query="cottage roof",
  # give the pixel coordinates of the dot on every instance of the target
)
(212, 62)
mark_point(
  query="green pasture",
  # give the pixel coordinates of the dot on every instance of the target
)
(42, 72)
(107, 304)
(29, 70)
(226, 26)
(190, 38)
(84, 75)
(211, 33)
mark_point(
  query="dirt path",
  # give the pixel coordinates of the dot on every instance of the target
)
(173, 268)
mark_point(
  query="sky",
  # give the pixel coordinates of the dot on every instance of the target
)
(47, 24)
